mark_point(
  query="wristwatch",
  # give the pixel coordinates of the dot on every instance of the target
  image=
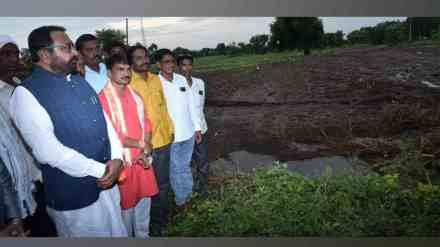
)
(147, 153)
(149, 156)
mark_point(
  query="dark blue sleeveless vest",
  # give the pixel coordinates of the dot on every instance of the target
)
(79, 123)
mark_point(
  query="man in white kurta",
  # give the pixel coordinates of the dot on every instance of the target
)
(198, 94)
(186, 122)
(53, 61)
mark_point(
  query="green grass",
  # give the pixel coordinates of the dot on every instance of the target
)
(238, 62)
(213, 63)
(400, 199)
(244, 61)
(225, 62)
(278, 203)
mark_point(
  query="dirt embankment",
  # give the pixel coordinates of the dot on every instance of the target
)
(356, 100)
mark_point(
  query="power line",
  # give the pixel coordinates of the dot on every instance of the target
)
(144, 41)
(126, 30)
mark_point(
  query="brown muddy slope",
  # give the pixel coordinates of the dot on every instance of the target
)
(324, 105)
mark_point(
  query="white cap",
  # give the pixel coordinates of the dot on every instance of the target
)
(6, 39)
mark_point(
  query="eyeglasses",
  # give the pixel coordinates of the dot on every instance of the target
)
(66, 47)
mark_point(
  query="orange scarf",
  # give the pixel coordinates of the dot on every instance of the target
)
(117, 115)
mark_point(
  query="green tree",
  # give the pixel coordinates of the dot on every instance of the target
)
(296, 33)
(389, 32)
(204, 52)
(180, 50)
(245, 48)
(152, 48)
(232, 49)
(395, 32)
(339, 38)
(221, 49)
(333, 39)
(361, 36)
(436, 36)
(26, 57)
(423, 27)
(259, 43)
(106, 37)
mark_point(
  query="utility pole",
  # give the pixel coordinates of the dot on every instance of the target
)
(126, 30)
(144, 41)
(410, 28)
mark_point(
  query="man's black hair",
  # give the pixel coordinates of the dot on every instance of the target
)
(83, 39)
(159, 54)
(40, 38)
(116, 43)
(182, 57)
(117, 58)
(132, 49)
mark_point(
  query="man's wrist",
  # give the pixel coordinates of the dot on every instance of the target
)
(119, 162)
(141, 144)
(147, 151)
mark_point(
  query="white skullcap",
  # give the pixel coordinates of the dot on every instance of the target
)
(6, 39)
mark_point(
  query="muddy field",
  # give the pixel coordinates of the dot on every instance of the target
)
(354, 101)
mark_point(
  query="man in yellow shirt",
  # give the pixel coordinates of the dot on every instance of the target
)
(149, 86)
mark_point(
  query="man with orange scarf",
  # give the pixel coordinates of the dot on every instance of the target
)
(127, 114)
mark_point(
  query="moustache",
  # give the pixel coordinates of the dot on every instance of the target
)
(124, 79)
(73, 61)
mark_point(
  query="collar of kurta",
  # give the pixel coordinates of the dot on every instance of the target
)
(172, 81)
(88, 69)
(37, 69)
(137, 76)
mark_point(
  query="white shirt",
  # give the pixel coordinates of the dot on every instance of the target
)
(181, 107)
(199, 94)
(37, 129)
(5, 94)
(95, 79)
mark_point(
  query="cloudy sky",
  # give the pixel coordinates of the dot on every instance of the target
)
(170, 32)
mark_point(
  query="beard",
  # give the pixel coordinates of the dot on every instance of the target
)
(141, 68)
(123, 81)
(60, 66)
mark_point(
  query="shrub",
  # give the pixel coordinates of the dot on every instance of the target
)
(436, 36)
(278, 203)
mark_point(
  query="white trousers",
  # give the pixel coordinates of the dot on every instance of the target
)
(103, 218)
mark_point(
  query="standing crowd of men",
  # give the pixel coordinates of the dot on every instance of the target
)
(105, 141)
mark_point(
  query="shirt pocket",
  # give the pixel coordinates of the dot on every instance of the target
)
(200, 96)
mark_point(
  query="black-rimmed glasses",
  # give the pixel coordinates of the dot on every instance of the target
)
(66, 47)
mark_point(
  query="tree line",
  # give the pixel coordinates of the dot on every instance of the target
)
(304, 33)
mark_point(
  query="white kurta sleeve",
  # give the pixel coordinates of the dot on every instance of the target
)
(195, 115)
(37, 129)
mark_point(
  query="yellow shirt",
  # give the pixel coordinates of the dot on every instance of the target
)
(155, 106)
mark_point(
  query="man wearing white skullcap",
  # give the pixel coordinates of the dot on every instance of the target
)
(12, 70)
(18, 170)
